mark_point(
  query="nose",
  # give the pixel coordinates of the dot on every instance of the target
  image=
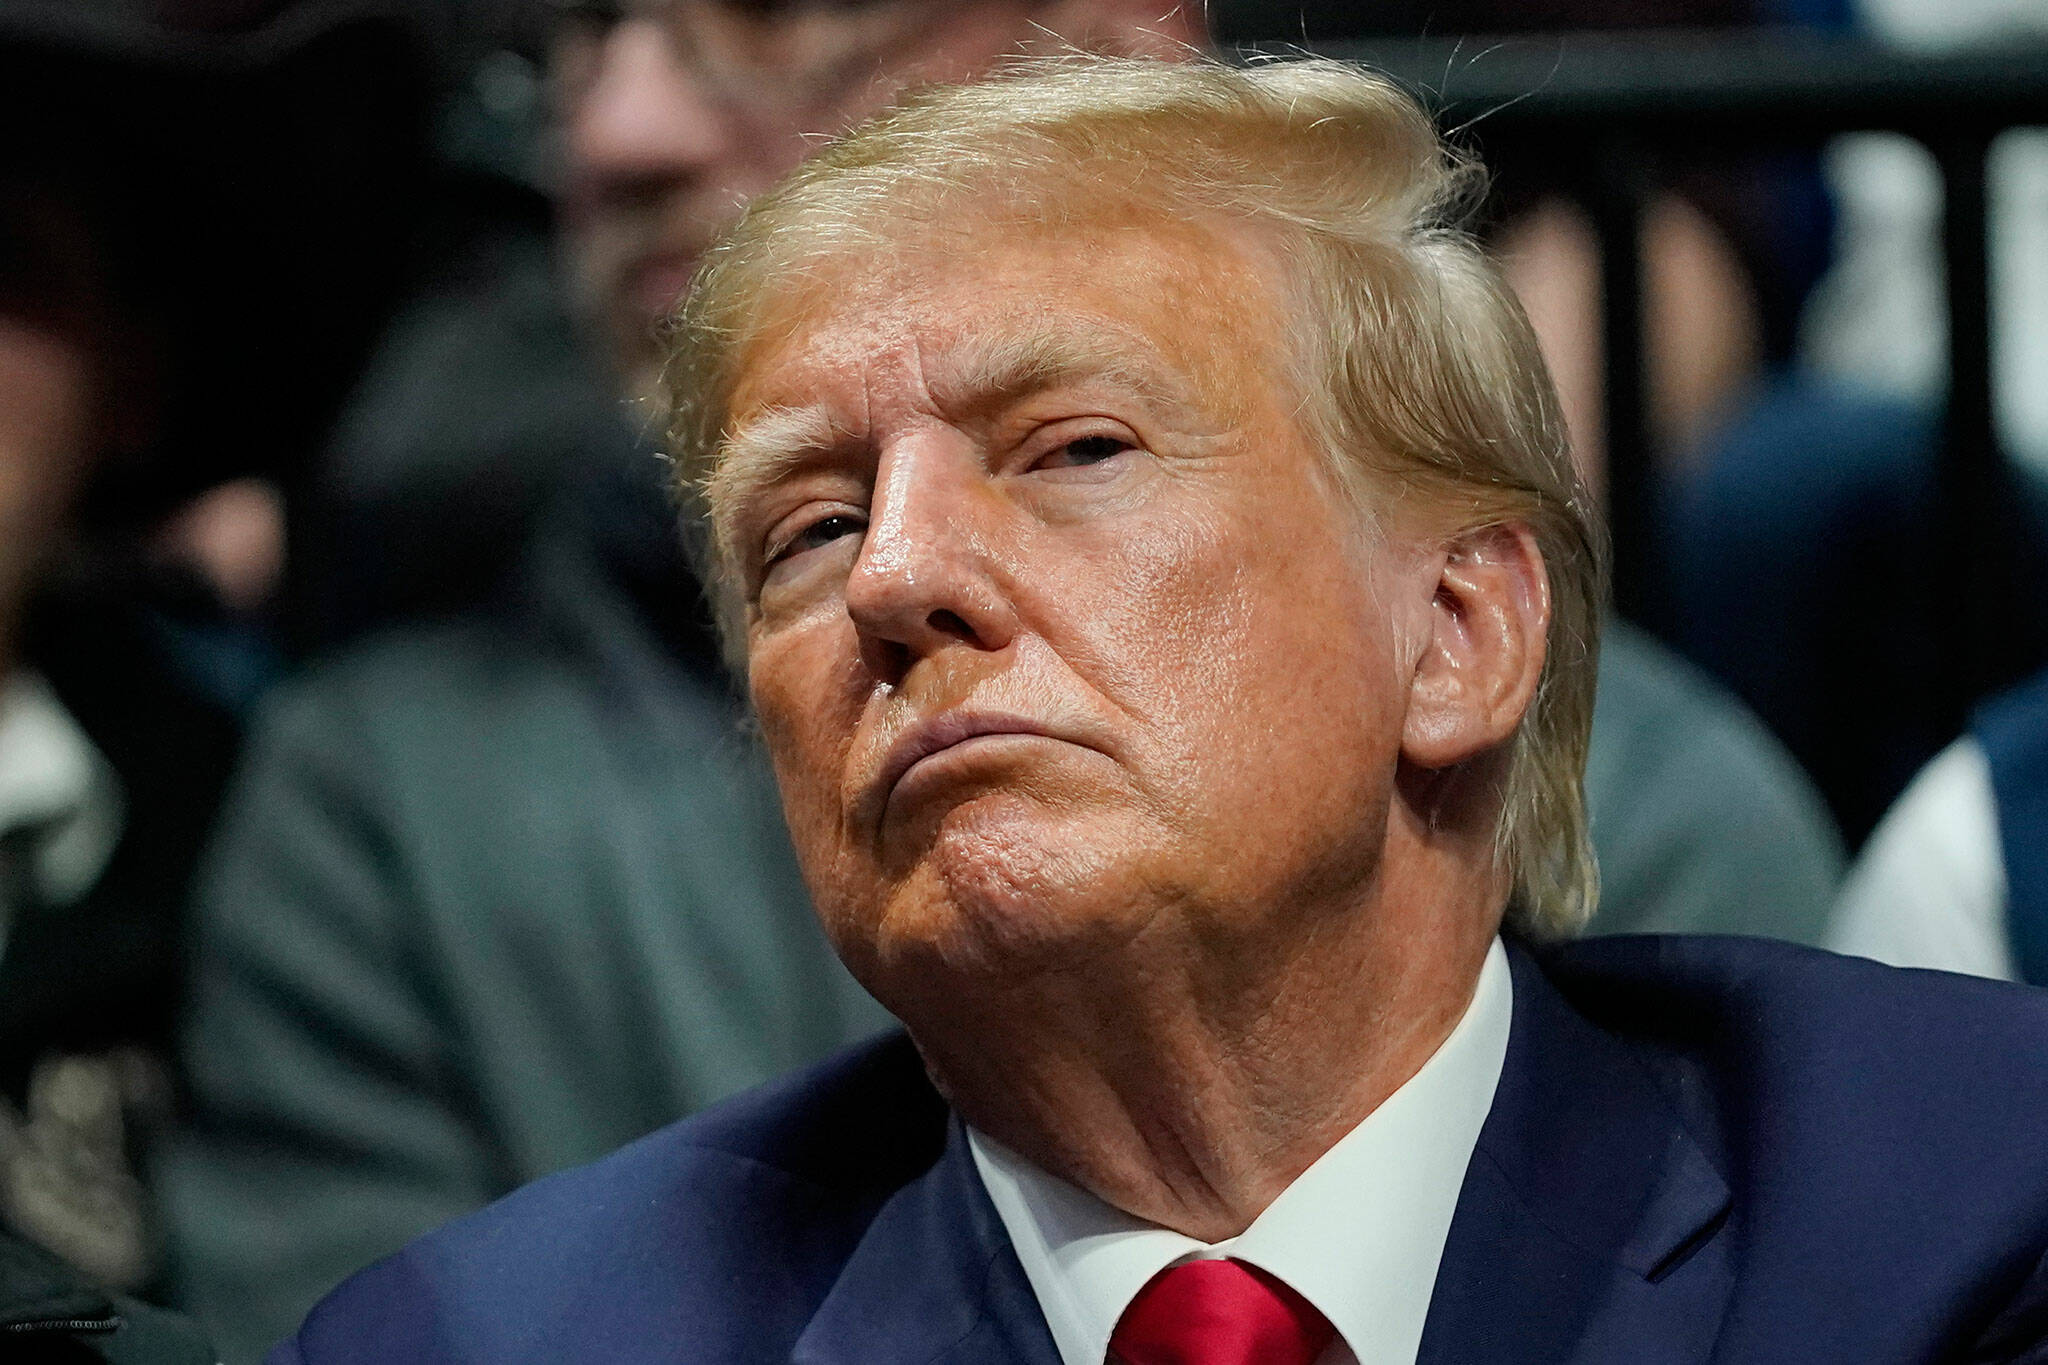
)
(644, 122)
(926, 579)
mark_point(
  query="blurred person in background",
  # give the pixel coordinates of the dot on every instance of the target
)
(158, 200)
(1806, 510)
(81, 988)
(1955, 877)
(91, 976)
(496, 895)
(1877, 320)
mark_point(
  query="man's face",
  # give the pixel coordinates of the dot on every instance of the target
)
(1058, 632)
(674, 112)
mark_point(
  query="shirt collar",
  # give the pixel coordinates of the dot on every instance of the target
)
(1359, 1234)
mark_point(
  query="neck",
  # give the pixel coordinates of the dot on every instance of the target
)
(1190, 1087)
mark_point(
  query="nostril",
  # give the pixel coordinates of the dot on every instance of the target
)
(949, 623)
(886, 660)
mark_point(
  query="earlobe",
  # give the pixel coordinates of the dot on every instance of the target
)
(1477, 672)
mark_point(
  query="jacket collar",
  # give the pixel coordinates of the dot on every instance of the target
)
(1587, 1228)
(933, 1280)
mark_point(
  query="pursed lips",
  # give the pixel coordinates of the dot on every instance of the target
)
(924, 739)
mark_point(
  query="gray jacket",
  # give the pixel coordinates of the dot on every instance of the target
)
(490, 901)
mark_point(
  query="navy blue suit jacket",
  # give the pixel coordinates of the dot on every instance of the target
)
(1700, 1150)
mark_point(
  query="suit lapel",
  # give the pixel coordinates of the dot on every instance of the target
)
(1589, 1227)
(934, 1280)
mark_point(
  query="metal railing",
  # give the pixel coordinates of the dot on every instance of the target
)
(1608, 102)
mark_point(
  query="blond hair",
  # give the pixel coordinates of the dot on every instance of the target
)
(1420, 373)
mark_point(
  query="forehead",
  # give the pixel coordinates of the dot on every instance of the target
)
(1190, 312)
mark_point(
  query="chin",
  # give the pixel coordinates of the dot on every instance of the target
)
(1003, 892)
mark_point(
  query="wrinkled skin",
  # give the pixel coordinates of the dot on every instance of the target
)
(1119, 571)
(1145, 782)
(1150, 787)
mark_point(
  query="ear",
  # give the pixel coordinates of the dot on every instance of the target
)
(1478, 670)
(1132, 28)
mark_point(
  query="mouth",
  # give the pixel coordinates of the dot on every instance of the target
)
(928, 740)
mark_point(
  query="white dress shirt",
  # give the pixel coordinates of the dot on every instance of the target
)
(1929, 889)
(54, 782)
(1358, 1234)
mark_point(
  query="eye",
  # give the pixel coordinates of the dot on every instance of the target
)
(817, 535)
(1083, 451)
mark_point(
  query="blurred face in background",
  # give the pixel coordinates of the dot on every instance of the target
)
(51, 309)
(83, 394)
(46, 390)
(674, 112)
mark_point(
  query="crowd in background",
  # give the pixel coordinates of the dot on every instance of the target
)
(379, 829)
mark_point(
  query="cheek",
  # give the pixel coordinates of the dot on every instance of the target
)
(1226, 610)
(1252, 649)
(797, 682)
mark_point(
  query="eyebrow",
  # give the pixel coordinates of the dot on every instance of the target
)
(754, 458)
(990, 372)
(981, 375)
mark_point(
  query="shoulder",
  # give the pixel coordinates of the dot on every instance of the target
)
(434, 684)
(1878, 1129)
(2017, 715)
(1655, 707)
(153, 1336)
(423, 692)
(737, 1217)
(1762, 1001)
(1929, 888)
(1845, 1074)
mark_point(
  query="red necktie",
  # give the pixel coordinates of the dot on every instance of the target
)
(1219, 1313)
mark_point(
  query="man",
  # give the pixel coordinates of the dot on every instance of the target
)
(1150, 543)
(497, 897)
(494, 898)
